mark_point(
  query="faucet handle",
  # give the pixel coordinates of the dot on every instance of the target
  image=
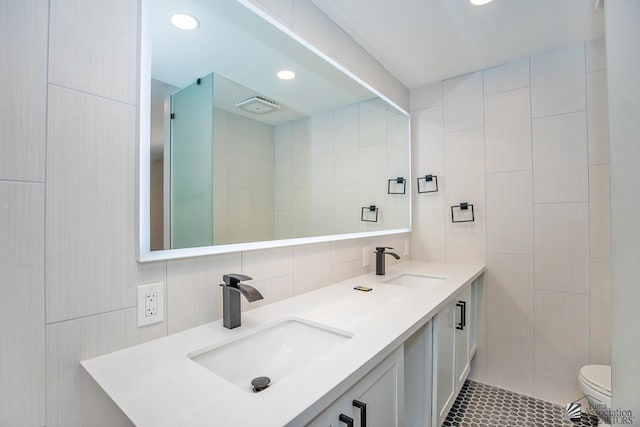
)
(234, 279)
(382, 248)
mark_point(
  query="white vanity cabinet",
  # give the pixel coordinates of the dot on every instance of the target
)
(454, 344)
(444, 357)
(377, 400)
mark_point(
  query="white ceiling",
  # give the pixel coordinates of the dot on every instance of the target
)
(424, 41)
(235, 43)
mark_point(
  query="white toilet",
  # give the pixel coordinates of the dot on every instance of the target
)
(595, 383)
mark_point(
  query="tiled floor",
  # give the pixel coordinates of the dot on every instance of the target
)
(481, 405)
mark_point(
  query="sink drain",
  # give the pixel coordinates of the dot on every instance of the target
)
(260, 383)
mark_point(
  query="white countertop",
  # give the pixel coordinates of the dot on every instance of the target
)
(155, 383)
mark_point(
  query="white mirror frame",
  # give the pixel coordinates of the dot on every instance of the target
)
(144, 253)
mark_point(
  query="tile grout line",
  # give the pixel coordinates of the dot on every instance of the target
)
(73, 319)
(533, 239)
(44, 250)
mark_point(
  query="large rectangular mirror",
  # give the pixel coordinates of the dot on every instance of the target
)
(249, 138)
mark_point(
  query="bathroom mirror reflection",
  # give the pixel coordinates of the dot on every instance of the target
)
(238, 154)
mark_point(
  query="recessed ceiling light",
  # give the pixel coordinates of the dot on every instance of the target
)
(286, 75)
(480, 2)
(184, 21)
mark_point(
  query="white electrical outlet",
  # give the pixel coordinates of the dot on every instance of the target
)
(406, 248)
(150, 304)
(365, 256)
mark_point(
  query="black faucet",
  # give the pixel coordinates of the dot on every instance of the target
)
(380, 253)
(231, 290)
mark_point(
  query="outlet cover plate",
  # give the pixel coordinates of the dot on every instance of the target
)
(365, 256)
(150, 304)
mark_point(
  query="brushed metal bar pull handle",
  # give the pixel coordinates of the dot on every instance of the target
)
(363, 412)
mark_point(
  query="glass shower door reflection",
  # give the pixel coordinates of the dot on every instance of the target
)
(192, 165)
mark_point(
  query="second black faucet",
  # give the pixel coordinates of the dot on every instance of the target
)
(380, 253)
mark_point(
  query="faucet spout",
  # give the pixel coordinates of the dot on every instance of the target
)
(250, 293)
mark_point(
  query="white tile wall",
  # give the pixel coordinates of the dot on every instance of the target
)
(598, 114)
(23, 86)
(463, 103)
(428, 142)
(510, 212)
(93, 47)
(547, 213)
(508, 130)
(510, 295)
(513, 75)
(560, 158)
(558, 82)
(71, 394)
(562, 246)
(601, 311)
(561, 337)
(22, 358)
(599, 212)
(466, 242)
(90, 250)
(465, 173)
(311, 267)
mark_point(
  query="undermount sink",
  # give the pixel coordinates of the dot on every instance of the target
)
(415, 281)
(274, 352)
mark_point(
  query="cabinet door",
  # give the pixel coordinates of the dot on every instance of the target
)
(443, 363)
(381, 390)
(462, 361)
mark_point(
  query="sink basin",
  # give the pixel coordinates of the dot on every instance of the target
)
(415, 281)
(274, 352)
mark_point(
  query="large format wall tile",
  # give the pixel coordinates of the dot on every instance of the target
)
(508, 131)
(510, 295)
(22, 353)
(463, 103)
(598, 117)
(23, 84)
(558, 82)
(73, 398)
(510, 362)
(90, 247)
(427, 142)
(311, 267)
(464, 168)
(268, 263)
(560, 158)
(194, 296)
(93, 47)
(561, 337)
(601, 311)
(510, 212)
(466, 242)
(599, 212)
(562, 247)
(514, 75)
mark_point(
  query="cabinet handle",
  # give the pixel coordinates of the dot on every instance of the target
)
(463, 314)
(363, 412)
(347, 420)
